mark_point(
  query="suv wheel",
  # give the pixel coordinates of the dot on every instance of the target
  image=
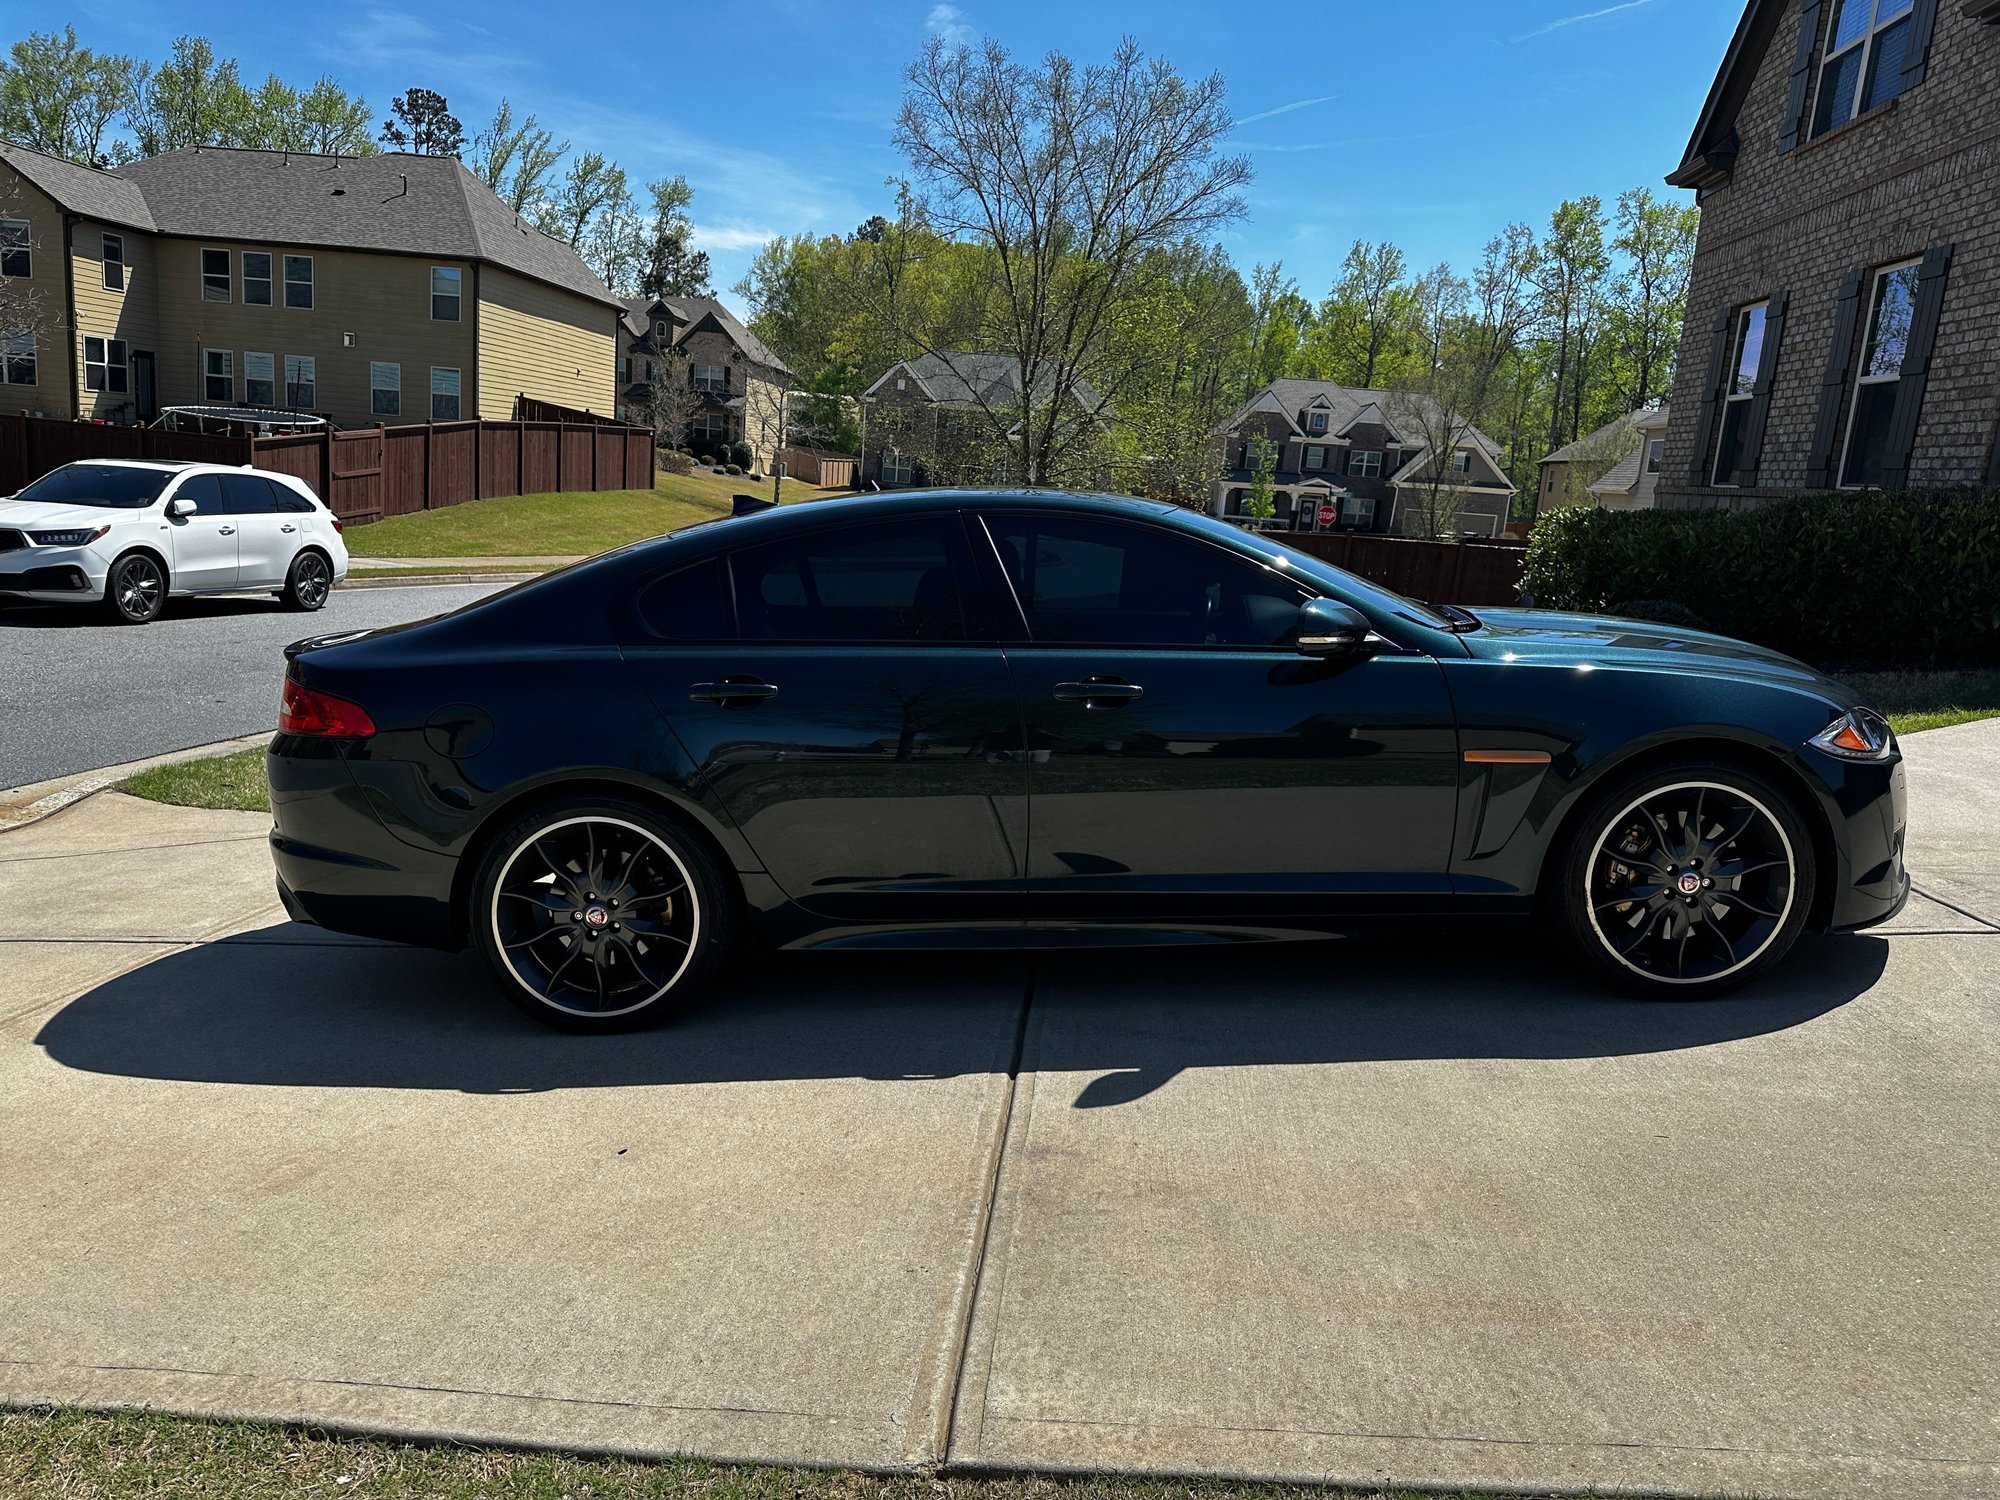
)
(308, 582)
(135, 590)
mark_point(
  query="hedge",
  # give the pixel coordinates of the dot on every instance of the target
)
(1907, 575)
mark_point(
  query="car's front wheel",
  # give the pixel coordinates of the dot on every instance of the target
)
(135, 590)
(1686, 881)
(308, 583)
(599, 915)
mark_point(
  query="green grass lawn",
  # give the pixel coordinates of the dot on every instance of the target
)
(568, 524)
(74, 1455)
(1918, 699)
(232, 782)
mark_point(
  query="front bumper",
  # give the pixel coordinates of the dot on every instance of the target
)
(57, 575)
(1869, 807)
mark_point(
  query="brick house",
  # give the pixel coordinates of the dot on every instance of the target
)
(388, 288)
(740, 379)
(1841, 318)
(1340, 446)
(936, 419)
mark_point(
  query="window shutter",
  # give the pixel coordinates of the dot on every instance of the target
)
(1916, 365)
(1846, 314)
(1711, 394)
(1760, 401)
(1802, 67)
(1923, 20)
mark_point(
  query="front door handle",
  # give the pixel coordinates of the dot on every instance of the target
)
(732, 690)
(225, 531)
(1099, 692)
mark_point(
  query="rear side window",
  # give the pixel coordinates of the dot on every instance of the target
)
(247, 495)
(691, 605)
(891, 581)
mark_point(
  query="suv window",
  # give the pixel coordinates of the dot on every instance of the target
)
(247, 495)
(290, 501)
(206, 492)
(690, 605)
(1104, 583)
(887, 581)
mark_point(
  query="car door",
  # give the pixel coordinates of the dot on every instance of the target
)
(204, 543)
(1187, 763)
(837, 692)
(266, 537)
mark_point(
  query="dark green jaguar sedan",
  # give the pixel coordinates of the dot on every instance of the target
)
(996, 720)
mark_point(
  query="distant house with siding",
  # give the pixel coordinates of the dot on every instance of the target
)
(1617, 467)
(390, 288)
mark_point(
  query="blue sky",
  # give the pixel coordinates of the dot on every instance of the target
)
(1429, 122)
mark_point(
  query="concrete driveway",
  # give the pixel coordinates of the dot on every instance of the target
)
(1327, 1212)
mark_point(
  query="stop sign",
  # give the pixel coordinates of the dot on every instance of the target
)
(1328, 515)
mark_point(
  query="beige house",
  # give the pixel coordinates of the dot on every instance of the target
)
(1616, 467)
(739, 380)
(389, 288)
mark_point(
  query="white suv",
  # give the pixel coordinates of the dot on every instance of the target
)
(127, 534)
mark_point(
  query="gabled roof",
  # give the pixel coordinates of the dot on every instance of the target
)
(81, 190)
(1712, 148)
(1347, 403)
(1594, 443)
(1370, 414)
(690, 313)
(1622, 477)
(958, 377)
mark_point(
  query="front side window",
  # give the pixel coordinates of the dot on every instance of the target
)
(104, 366)
(1746, 364)
(1357, 510)
(444, 394)
(1891, 306)
(385, 389)
(889, 582)
(215, 276)
(299, 281)
(256, 278)
(446, 285)
(114, 262)
(260, 380)
(218, 375)
(712, 379)
(17, 359)
(1865, 50)
(709, 430)
(1103, 584)
(1365, 463)
(898, 468)
(16, 259)
(1315, 456)
(301, 382)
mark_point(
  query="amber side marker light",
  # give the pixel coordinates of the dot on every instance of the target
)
(1507, 757)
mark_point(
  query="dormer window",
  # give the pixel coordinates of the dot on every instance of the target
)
(659, 328)
(1461, 463)
(1316, 422)
(1866, 48)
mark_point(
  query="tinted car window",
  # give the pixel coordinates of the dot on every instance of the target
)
(289, 500)
(690, 605)
(206, 492)
(99, 484)
(247, 495)
(889, 582)
(1101, 583)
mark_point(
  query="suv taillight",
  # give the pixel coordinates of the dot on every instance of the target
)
(305, 710)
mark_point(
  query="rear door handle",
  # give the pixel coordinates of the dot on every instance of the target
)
(732, 690)
(1099, 692)
(288, 526)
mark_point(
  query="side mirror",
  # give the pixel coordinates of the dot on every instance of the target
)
(181, 507)
(1328, 628)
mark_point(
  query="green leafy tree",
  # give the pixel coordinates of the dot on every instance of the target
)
(1649, 293)
(60, 98)
(514, 159)
(191, 99)
(420, 121)
(592, 185)
(673, 267)
(1261, 504)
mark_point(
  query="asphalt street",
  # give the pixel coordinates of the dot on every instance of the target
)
(77, 693)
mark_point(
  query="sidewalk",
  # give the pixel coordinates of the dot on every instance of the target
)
(1320, 1213)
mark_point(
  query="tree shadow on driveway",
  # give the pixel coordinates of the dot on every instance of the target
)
(287, 1007)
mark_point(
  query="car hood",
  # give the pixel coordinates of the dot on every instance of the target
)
(1553, 638)
(39, 513)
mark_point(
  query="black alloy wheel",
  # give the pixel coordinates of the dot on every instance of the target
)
(135, 590)
(600, 916)
(308, 583)
(1688, 882)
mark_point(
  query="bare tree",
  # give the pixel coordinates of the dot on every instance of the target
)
(1438, 410)
(24, 315)
(514, 159)
(671, 399)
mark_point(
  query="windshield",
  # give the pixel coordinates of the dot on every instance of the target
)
(99, 484)
(1357, 588)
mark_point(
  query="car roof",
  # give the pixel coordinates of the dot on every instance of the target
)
(813, 512)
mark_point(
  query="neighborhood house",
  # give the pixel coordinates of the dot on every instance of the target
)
(738, 380)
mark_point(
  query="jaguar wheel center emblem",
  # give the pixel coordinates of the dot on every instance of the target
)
(1690, 883)
(595, 916)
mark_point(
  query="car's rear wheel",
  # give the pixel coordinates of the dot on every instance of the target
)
(1688, 880)
(135, 590)
(599, 915)
(308, 583)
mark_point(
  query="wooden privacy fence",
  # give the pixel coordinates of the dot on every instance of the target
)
(1443, 572)
(371, 472)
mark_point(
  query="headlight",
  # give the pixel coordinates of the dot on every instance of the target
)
(81, 537)
(1858, 734)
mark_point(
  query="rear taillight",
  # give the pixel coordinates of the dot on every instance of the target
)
(305, 710)
(338, 528)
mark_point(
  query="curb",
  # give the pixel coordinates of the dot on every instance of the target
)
(433, 580)
(22, 805)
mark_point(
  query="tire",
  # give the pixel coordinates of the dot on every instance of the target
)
(135, 589)
(1684, 882)
(556, 890)
(308, 582)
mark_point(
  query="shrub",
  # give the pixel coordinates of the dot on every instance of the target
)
(1909, 575)
(676, 462)
(1664, 611)
(708, 460)
(739, 454)
(732, 469)
(754, 477)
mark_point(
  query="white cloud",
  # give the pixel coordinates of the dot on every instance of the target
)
(1589, 15)
(1285, 109)
(949, 22)
(731, 237)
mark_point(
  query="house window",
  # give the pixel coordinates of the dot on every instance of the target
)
(17, 359)
(301, 379)
(114, 262)
(1357, 510)
(1656, 450)
(385, 389)
(711, 380)
(1315, 421)
(898, 468)
(709, 429)
(446, 283)
(1891, 305)
(625, 369)
(1461, 463)
(1365, 463)
(299, 281)
(15, 258)
(256, 278)
(444, 394)
(260, 379)
(1743, 373)
(1549, 484)
(1865, 50)
(104, 367)
(659, 328)
(215, 275)
(218, 374)
(1315, 456)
